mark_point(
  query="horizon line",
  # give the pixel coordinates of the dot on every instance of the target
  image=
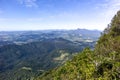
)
(49, 29)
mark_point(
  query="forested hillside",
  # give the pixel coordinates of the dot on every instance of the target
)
(103, 63)
(27, 54)
(22, 62)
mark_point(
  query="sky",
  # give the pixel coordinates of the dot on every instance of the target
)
(56, 14)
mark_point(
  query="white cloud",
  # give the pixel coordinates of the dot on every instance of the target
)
(110, 7)
(106, 11)
(115, 5)
(28, 3)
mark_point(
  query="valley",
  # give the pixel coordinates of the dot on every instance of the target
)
(26, 54)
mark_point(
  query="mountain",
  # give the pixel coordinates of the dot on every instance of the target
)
(103, 63)
(23, 37)
(22, 62)
(25, 55)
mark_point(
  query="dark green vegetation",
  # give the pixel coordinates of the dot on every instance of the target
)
(27, 54)
(22, 62)
(32, 58)
(101, 64)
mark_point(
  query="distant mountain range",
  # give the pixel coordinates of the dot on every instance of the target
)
(26, 54)
(22, 37)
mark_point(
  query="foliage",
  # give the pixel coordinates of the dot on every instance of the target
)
(22, 62)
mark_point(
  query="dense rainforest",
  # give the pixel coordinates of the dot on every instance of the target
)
(102, 63)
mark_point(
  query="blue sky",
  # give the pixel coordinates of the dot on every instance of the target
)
(56, 14)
